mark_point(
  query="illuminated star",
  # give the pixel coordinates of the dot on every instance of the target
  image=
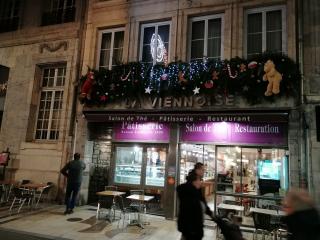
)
(148, 90)
(196, 90)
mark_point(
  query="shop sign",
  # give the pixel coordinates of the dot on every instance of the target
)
(142, 131)
(235, 133)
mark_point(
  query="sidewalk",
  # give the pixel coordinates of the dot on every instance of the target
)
(50, 223)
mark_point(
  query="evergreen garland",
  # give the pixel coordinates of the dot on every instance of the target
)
(236, 76)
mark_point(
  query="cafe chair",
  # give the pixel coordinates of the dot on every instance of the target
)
(124, 211)
(111, 188)
(20, 196)
(262, 225)
(43, 192)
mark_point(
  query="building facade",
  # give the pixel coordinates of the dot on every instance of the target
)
(39, 56)
(180, 129)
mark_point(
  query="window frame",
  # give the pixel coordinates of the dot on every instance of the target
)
(112, 31)
(156, 25)
(54, 89)
(12, 16)
(263, 11)
(205, 45)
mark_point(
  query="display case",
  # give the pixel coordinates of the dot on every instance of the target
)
(128, 174)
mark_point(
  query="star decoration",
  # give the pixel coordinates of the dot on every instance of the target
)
(148, 90)
(196, 91)
(215, 75)
(245, 89)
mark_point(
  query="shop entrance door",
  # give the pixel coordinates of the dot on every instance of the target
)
(142, 166)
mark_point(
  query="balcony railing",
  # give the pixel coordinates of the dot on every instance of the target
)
(59, 16)
(9, 24)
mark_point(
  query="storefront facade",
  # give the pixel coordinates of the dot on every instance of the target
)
(154, 149)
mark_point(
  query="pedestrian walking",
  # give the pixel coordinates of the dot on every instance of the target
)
(73, 171)
(191, 208)
(302, 217)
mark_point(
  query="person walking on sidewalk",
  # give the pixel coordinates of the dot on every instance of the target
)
(191, 208)
(73, 171)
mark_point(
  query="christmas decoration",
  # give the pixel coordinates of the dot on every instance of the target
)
(273, 77)
(236, 76)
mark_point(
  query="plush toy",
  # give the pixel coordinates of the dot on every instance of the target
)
(273, 77)
(87, 86)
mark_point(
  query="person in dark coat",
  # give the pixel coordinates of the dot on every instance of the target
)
(200, 170)
(191, 208)
(302, 217)
(73, 171)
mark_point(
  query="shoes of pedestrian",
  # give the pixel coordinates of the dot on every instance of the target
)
(66, 212)
(70, 211)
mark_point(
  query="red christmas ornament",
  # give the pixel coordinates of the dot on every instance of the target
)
(103, 98)
(209, 84)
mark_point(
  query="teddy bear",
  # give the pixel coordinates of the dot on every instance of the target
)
(273, 77)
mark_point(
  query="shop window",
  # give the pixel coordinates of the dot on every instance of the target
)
(4, 75)
(265, 30)
(50, 106)
(58, 11)
(155, 169)
(251, 171)
(206, 38)
(154, 42)
(110, 48)
(128, 165)
(9, 15)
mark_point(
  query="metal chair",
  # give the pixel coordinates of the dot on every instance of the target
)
(43, 192)
(21, 195)
(111, 188)
(262, 224)
(123, 210)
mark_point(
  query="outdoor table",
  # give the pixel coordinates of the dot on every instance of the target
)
(231, 207)
(108, 193)
(277, 213)
(32, 188)
(140, 198)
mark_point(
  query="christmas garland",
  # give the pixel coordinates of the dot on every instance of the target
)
(237, 76)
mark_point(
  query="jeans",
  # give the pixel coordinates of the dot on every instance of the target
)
(72, 189)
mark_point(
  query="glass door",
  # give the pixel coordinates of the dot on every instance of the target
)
(155, 165)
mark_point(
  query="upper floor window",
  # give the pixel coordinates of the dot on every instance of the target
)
(4, 76)
(206, 39)
(265, 30)
(9, 15)
(50, 106)
(110, 47)
(58, 11)
(154, 42)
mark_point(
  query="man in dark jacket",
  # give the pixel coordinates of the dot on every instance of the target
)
(191, 208)
(302, 217)
(73, 171)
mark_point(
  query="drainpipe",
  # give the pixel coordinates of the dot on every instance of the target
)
(306, 165)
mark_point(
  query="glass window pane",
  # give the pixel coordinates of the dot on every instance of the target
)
(147, 34)
(274, 21)
(163, 32)
(106, 41)
(214, 28)
(146, 54)
(118, 39)
(117, 56)
(128, 165)
(214, 48)
(156, 160)
(274, 41)
(197, 49)
(197, 30)
(104, 58)
(254, 44)
(254, 23)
